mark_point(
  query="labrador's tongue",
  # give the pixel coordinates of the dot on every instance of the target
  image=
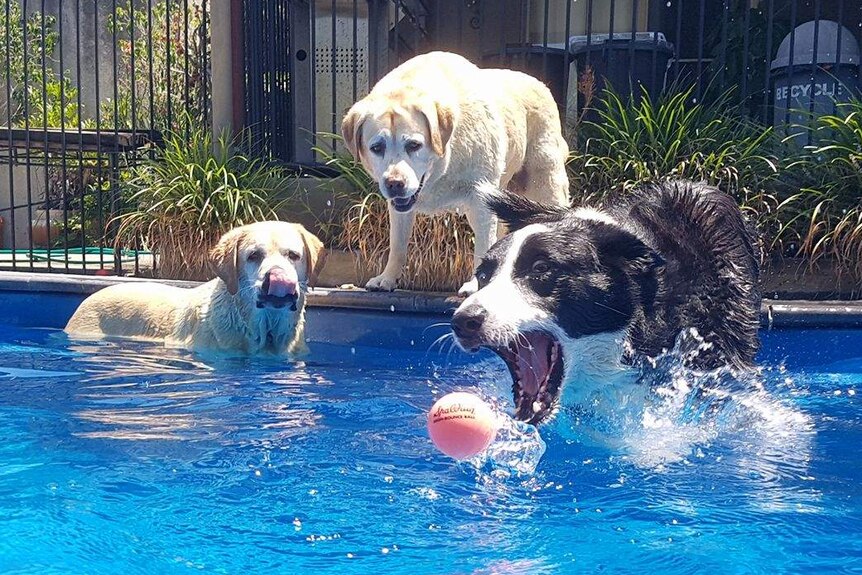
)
(532, 358)
(280, 285)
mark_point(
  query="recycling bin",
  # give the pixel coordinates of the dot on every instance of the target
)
(806, 84)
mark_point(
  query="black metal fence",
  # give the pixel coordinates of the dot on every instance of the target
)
(90, 87)
(335, 49)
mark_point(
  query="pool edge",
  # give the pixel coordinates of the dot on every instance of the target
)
(774, 313)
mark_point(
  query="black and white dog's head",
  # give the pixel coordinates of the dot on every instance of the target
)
(556, 299)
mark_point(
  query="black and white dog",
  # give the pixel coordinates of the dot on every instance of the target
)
(571, 297)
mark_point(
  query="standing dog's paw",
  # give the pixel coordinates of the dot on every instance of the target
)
(381, 283)
(469, 288)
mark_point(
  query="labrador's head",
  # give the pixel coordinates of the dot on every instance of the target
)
(269, 264)
(399, 139)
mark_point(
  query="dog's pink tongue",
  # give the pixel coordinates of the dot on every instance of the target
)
(280, 285)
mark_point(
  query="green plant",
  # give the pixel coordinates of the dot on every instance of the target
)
(673, 137)
(187, 195)
(170, 44)
(825, 215)
(441, 247)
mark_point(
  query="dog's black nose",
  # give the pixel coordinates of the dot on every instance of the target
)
(467, 322)
(395, 187)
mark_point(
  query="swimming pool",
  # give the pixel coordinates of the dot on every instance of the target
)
(127, 457)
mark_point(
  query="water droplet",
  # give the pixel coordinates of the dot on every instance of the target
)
(353, 350)
(836, 392)
(257, 472)
(851, 392)
(350, 555)
(388, 479)
(392, 308)
(329, 202)
(385, 550)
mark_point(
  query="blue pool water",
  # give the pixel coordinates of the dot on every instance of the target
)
(130, 458)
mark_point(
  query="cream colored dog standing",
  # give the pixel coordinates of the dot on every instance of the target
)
(436, 127)
(255, 305)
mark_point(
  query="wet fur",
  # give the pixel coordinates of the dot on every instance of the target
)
(659, 260)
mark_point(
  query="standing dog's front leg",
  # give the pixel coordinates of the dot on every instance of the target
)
(484, 224)
(400, 226)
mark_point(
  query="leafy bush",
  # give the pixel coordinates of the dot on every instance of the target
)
(187, 195)
(824, 218)
(673, 137)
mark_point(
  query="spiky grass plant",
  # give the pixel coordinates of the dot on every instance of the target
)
(185, 197)
(827, 211)
(674, 137)
(440, 248)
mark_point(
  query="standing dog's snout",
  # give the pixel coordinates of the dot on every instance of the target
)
(467, 322)
(395, 186)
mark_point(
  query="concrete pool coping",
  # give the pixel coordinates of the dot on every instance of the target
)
(774, 313)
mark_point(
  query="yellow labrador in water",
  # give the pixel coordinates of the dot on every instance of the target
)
(436, 128)
(256, 305)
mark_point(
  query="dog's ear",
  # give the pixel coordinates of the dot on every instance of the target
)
(315, 254)
(351, 129)
(623, 250)
(440, 119)
(224, 258)
(517, 211)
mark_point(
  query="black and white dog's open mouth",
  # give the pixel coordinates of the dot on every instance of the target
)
(535, 361)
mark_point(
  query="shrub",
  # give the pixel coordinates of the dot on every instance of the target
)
(187, 195)
(673, 137)
(824, 219)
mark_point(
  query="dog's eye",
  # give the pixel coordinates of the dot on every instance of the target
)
(377, 148)
(294, 256)
(412, 146)
(255, 256)
(540, 267)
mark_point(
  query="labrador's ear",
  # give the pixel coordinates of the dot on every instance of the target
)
(440, 119)
(351, 129)
(315, 254)
(224, 258)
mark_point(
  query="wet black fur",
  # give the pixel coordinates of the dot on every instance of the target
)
(681, 257)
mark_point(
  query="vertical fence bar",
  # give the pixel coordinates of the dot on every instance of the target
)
(545, 23)
(150, 63)
(44, 81)
(169, 65)
(355, 58)
(12, 200)
(186, 100)
(789, 68)
(100, 198)
(770, 25)
(746, 39)
(700, 43)
(113, 152)
(814, 65)
(589, 33)
(63, 173)
(80, 155)
(566, 62)
(838, 40)
(722, 70)
(632, 38)
(678, 40)
(133, 114)
(28, 162)
(333, 76)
